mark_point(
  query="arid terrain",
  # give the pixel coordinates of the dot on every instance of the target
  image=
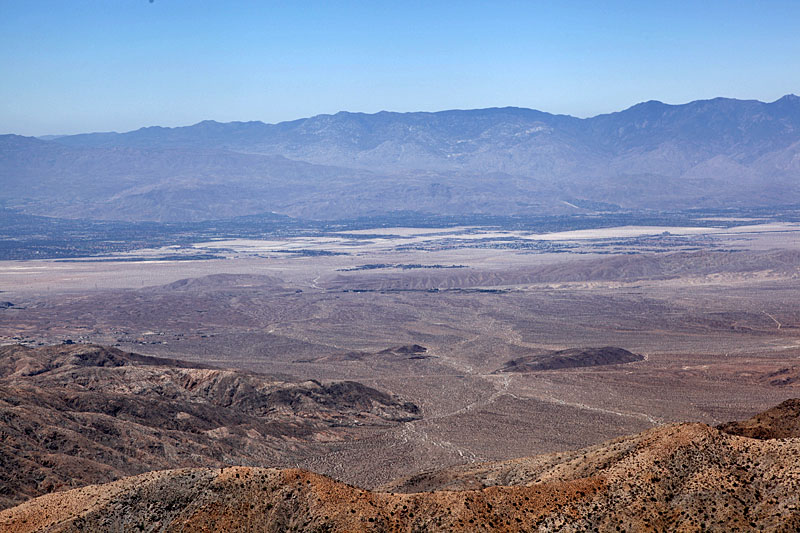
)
(678, 477)
(340, 267)
(456, 354)
(79, 414)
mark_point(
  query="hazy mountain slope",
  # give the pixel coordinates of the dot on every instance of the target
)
(708, 153)
(80, 414)
(682, 477)
(156, 184)
(514, 140)
(721, 125)
(187, 184)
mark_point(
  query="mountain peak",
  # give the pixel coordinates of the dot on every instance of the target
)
(790, 98)
(650, 103)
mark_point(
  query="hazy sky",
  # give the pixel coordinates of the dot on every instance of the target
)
(72, 66)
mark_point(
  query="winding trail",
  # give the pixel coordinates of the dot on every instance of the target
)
(773, 319)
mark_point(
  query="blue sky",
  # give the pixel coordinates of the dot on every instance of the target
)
(73, 66)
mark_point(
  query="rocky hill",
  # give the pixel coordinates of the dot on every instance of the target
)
(681, 477)
(780, 422)
(408, 352)
(571, 358)
(77, 414)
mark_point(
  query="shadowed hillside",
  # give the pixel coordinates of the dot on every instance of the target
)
(79, 414)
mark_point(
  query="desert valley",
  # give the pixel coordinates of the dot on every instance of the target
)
(403, 361)
(399, 267)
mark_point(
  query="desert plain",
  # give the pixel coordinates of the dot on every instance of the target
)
(435, 315)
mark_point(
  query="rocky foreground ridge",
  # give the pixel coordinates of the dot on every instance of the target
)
(72, 415)
(679, 477)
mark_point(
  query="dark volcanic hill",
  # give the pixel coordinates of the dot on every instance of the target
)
(411, 351)
(79, 414)
(782, 377)
(571, 358)
(707, 153)
(680, 477)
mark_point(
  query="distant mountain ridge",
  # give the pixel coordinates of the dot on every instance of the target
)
(498, 160)
(729, 124)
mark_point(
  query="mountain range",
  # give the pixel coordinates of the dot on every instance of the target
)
(707, 153)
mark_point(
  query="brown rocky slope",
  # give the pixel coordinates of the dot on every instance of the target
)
(780, 422)
(72, 415)
(681, 477)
